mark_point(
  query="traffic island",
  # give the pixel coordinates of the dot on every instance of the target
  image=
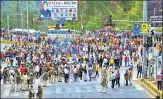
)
(152, 87)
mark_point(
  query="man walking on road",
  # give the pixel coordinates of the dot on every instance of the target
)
(104, 80)
(113, 79)
(130, 76)
(126, 77)
(139, 70)
(118, 78)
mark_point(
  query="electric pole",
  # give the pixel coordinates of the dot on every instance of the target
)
(145, 67)
(22, 16)
(27, 16)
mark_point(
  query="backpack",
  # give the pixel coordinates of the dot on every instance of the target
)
(126, 75)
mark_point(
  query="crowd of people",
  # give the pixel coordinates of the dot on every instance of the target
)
(78, 59)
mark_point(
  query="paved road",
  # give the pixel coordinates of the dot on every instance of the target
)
(81, 89)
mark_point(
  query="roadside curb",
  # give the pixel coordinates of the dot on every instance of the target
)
(151, 88)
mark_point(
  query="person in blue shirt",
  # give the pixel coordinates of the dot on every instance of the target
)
(131, 66)
(45, 12)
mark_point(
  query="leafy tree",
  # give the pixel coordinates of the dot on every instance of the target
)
(94, 14)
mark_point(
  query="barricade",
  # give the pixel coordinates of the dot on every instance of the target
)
(152, 87)
(20, 43)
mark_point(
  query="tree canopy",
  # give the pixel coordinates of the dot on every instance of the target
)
(93, 19)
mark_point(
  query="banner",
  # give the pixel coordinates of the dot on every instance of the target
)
(59, 9)
(137, 28)
(144, 28)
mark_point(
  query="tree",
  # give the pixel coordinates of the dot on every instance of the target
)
(94, 13)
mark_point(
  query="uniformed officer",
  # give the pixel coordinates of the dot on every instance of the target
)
(104, 79)
(4, 75)
(7, 75)
(45, 78)
(44, 68)
(18, 81)
(31, 92)
(59, 74)
(52, 73)
(39, 92)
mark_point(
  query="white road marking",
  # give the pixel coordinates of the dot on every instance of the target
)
(6, 93)
(16, 94)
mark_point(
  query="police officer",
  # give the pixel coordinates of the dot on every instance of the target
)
(39, 92)
(104, 79)
(4, 75)
(59, 74)
(32, 75)
(44, 68)
(52, 77)
(30, 80)
(7, 75)
(18, 81)
(45, 78)
(31, 92)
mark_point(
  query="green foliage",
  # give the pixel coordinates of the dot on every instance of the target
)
(158, 29)
(94, 14)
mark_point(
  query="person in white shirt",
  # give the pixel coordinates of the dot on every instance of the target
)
(71, 73)
(75, 73)
(104, 62)
(25, 83)
(37, 70)
(42, 57)
(66, 74)
(113, 78)
(12, 80)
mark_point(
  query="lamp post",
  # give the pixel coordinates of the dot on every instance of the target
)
(22, 15)
(27, 16)
(8, 23)
(144, 39)
(8, 19)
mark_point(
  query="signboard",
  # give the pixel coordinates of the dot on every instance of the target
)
(137, 28)
(59, 9)
(144, 28)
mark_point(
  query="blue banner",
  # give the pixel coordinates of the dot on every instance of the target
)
(137, 28)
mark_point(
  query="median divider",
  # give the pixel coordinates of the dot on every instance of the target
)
(151, 87)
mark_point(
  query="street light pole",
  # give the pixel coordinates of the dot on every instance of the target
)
(27, 16)
(144, 40)
(153, 38)
(8, 22)
(22, 16)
